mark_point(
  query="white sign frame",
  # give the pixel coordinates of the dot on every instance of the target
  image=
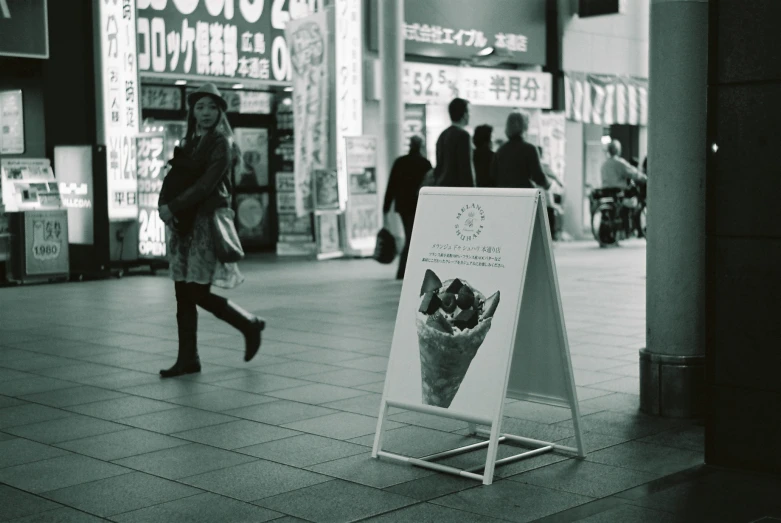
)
(541, 351)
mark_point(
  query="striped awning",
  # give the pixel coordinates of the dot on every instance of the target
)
(605, 99)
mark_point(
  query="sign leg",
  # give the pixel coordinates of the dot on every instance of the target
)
(379, 432)
(490, 459)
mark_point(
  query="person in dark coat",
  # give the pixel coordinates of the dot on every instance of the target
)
(207, 154)
(454, 149)
(403, 186)
(483, 155)
(517, 163)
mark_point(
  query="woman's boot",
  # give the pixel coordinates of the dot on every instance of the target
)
(187, 361)
(250, 326)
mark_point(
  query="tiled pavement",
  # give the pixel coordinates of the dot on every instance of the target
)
(88, 432)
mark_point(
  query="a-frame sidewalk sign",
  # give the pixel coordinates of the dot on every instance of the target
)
(480, 320)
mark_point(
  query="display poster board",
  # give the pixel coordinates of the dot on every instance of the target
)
(362, 216)
(28, 184)
(325, 189)
(46, 242)
(253, 170)
(151, 169)
(296, 237)
(252, 218)
(480, 317)
(163, 97)
(11, 122)
(327, 235)
(74, 175)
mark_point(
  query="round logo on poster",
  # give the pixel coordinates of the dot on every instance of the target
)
(469, 222)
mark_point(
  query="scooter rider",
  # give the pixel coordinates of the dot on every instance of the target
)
(617, 174)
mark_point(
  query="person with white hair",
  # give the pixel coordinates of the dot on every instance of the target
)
(617, 172)
(517, 162)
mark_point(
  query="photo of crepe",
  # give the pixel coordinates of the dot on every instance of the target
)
(452, 322)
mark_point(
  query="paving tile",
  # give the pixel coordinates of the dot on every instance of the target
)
(280, 412)
(167, 389)
(256, 480)
(430, 487)
(628, 424)
(647, 457)
(183, 461)
(512, 501)
(18, 504)
(31, 385)
(236, 434)
(632, 514)
(594, 441)
(6, 437)
(8, 374)
(65, 429)
(298, 369)
(18, 451)
(177, 419)
(537, 412)
(121, 444)
(221, 400)
(626, 385)
(582, 477)
(689, 438)
(417, 441)
(6, 401)
(202, 508)
(121, 358)
(304, 450)
(36, 362)
(335, 502)
(261, 383)
(612, 401)
(373, 387)
(121, 408)
(365, 470)
(347, 377)
(77, 370)
(61, 515)
(119, 494)
(121, 379)
(316, 394)
(342, 425)
(73, 396)
(477, 458)
(430, 514)
(324, 355)
(376, 364)
(29, 413)
(367, 404)
(55, 473)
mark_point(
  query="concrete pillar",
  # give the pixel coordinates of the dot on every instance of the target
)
(672, 366)
(391, 31)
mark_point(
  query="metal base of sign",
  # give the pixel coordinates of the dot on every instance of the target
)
(494, 439)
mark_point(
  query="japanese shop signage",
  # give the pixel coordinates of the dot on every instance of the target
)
(11, 122)
(232, 39)
(515, 29)
(116, 62)
(24, 28)
(151, 157)
(439, 84)
(362, 218)
(74, 175)
(310, 56)
(46, 242)
(161, 97)
(348, 60)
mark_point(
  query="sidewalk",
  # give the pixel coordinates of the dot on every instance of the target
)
(88, 431)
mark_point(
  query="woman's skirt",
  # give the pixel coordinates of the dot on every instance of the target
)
(192, 257)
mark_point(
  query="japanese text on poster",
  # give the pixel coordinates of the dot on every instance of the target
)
(151, 171)
(363, 206)
(120, 96)
(11, 122)
(310, 58)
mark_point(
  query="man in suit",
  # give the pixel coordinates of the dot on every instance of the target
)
(454, 149)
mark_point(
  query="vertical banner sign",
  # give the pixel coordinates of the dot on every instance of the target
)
(151, 156)
(308, 41)
(362, 218)
(11, 122)
(348, 61)
(552, 139)
(120, 103)
(253, 144)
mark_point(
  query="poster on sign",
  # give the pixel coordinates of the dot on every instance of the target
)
(362, 217)
(46, 242)
(309, 54)
(151, 171)
(479, 318)
(11, 122)
(327, 235)
(28, 184)
(253, 170)
(252, 222)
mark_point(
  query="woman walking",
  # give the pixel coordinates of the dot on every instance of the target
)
(483, 154)
(188, 207)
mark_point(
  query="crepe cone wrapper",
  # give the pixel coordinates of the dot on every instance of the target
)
(445, 359)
